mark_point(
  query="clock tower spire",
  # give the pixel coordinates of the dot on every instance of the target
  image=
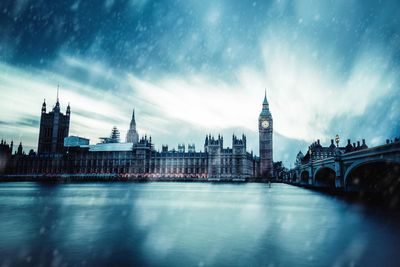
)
(265, 131)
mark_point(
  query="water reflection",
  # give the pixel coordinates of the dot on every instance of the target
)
(190, 224)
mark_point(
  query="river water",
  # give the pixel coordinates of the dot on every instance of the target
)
(190, 224)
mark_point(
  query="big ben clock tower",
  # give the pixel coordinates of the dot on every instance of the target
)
(265, 133)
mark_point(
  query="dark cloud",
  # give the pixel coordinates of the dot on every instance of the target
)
(189, 35)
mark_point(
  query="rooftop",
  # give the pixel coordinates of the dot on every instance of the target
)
(111, 147)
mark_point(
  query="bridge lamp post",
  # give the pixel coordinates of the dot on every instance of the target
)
(337, 139)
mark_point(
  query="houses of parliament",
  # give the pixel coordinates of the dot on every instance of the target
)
(61, 155)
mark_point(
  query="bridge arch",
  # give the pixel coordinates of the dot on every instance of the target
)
(304, 177)
(325, 177)
(377, 176)
(370, 161)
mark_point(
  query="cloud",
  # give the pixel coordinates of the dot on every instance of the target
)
(307, 92)
(201, 101)
(93, 112)
(305, 98)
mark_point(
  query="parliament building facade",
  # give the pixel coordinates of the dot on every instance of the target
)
(61, 155)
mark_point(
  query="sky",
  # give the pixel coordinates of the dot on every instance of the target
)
(190, 68)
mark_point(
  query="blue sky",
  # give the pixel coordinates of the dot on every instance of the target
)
(190, 68)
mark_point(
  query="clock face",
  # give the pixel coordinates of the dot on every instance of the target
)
(265, 124)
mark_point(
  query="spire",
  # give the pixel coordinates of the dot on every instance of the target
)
(265, 102)
(265, 106)
(133, 121)
(44, 106)
(58, 89)
(57, 106)
(68, 110)
(132, 135)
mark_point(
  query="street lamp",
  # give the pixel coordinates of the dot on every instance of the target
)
(337, 139)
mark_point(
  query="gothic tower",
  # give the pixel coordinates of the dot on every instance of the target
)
(54, 127)
(214, 147)
(132, 136)
(265, 139)
(239, 156)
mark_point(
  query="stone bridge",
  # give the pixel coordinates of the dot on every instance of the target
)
(374, 169)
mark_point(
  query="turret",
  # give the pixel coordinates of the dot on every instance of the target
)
(239, 145)
(358, 145)
(349, 147)
(215, 143)
(68, 113)
(19, 151)
(44, 106)
(332, 146)
(364, 145)
(191, 148)
(181, 148)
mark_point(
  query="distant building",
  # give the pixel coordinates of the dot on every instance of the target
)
(6, 151)
(279, 170)
(318, 152)
(75, 141)
(54, 127)
(73, 156)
